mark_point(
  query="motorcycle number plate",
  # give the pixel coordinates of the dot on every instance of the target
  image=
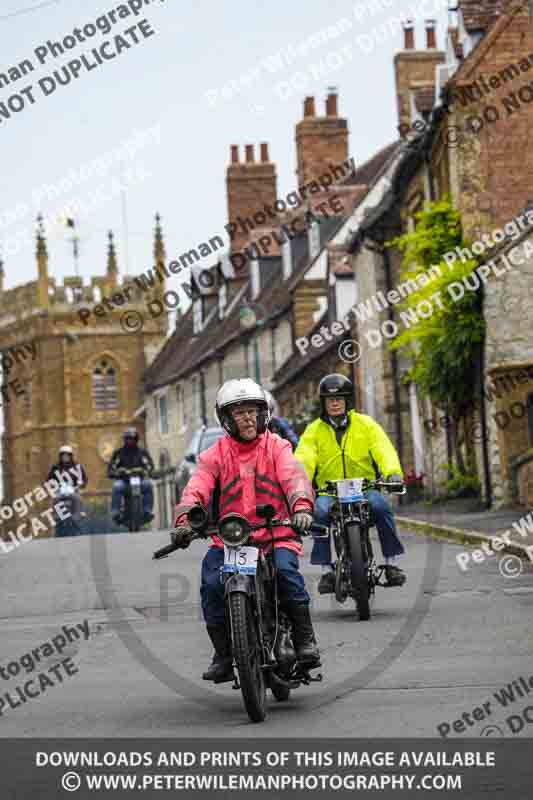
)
(350, 490)
(135, 480)
(241, 559)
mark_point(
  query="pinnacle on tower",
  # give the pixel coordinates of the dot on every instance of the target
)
(41, 238)
(159, 245)
(42, 264)
(112, 266)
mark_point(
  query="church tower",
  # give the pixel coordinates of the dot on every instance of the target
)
(68, 381)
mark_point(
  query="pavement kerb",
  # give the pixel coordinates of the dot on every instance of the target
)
(458, 535)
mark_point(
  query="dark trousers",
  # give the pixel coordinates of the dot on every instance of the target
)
(383, 515)
(119, 490)
(291, 585)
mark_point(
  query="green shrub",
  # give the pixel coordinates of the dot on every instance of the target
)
(460, 484)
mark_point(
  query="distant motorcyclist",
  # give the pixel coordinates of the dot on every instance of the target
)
(127, 457)
(68, 472)
(280, 425)
(345, 444)
(250, 466)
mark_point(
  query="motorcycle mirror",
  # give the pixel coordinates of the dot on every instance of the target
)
(266, 511)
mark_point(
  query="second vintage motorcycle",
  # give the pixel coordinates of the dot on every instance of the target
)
(356, 573)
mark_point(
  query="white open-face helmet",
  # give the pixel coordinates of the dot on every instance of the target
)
(66, 450)
(234, 392)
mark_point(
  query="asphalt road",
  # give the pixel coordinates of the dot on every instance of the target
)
(434, 649)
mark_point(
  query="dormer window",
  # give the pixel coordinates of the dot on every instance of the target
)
(286, 257)
(314, 239)
(197, 319)
(255, 278)
(222, 299)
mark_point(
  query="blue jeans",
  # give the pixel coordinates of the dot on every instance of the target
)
(383, 515)
(291, 584)
(119, 489)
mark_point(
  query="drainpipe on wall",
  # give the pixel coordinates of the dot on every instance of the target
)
(394, 361)
(202, 398)
(483, 415)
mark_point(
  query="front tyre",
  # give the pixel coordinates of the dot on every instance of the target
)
(136, 513)
(247, 654)
(359, 576)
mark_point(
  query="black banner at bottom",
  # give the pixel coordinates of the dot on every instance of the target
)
(46, 769)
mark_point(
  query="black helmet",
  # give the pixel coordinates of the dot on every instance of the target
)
(335, 385)
(131, 433)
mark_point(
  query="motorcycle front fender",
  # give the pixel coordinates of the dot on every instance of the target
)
(240, 583)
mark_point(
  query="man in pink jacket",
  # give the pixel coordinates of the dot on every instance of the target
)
(248, 467)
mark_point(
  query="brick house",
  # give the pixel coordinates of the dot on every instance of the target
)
(462, 107)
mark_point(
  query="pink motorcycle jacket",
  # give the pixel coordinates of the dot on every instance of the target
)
(249, 474)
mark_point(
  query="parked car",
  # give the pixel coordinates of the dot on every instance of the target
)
(202, 440)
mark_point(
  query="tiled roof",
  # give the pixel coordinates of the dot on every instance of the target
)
(184, 352)
(365, 174)
(479, 15)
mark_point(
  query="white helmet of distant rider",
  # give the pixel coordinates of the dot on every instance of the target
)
(66, 454)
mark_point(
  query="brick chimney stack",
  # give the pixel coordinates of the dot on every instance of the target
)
(320, 141)
(431, 39)
(250, 186)
(415, 69)
(408, 35)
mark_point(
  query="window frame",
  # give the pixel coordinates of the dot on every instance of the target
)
(109, 391)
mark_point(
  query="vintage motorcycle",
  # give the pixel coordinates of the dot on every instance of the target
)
(261, 635)
(66, 523)
(356, 572)
(132, 514)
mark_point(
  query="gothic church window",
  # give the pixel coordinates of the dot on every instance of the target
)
(105, 394)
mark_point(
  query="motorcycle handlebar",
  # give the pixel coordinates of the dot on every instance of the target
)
(276, 523)
(392, 486)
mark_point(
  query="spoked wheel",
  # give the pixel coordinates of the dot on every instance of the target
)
(360, 586)
(247, 654)
(341, 583)
(135, 520)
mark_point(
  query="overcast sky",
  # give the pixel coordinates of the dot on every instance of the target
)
(175, 80)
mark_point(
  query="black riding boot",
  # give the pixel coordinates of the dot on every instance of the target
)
(221, 668)
(303, 635)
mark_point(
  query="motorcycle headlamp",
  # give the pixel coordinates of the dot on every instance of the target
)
(234, 530)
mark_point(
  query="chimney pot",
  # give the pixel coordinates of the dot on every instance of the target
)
(431, 39)
(409, 34)
(234, 153)
(249, 154)
(264, 151)
(309, 107)
(331, 103)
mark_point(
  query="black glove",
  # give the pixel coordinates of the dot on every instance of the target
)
(181, 537)
(302, 521)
